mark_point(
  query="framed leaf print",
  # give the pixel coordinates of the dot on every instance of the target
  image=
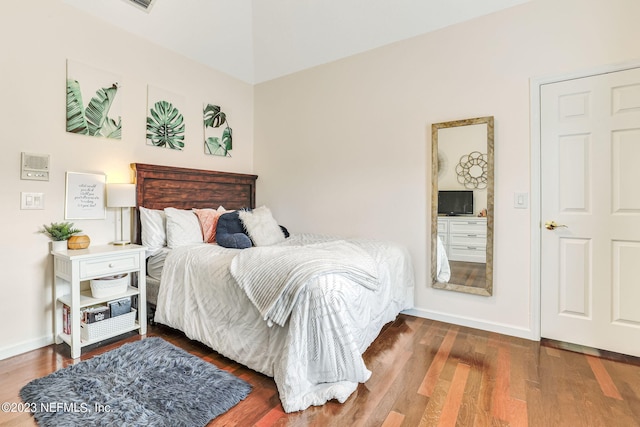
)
(217, 132)
(93, 101)
(165, 122)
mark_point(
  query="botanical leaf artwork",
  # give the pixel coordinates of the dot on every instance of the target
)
(165, 126)
(217, 133)
(165, 122)
(100, 117)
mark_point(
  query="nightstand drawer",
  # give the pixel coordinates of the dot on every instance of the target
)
(106, 266)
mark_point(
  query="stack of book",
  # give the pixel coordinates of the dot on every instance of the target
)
(96, 313)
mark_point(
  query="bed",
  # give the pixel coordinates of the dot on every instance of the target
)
(310, 342)
(443, 268)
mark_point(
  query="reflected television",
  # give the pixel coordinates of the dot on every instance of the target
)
(455, 202)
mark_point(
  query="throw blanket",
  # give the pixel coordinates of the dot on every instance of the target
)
(273, 276)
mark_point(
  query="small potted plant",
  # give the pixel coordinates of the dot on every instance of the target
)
(59, 234)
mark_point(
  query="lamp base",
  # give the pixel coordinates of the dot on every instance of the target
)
(121, 242)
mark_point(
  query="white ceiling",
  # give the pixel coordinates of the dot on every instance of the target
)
(259, 40)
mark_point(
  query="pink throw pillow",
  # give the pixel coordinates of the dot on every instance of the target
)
(209, 222)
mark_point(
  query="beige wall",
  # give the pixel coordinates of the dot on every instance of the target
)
(37, 38)
(453, 144)
(344, 148)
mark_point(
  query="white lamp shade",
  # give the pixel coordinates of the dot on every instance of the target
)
(121, 195)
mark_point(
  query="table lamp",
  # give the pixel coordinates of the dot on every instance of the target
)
(121, 196)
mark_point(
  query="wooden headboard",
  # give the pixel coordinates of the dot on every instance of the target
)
(159, 187)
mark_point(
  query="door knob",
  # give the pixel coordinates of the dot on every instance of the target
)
(552, 225)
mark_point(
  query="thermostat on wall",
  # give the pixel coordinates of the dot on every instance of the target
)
(35, 166)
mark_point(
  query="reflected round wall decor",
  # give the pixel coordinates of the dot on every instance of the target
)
(472, 170)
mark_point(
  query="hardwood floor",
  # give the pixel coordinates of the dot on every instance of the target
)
(425, 373)
(468, 273)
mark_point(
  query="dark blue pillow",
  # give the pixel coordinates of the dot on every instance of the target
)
(230, 232)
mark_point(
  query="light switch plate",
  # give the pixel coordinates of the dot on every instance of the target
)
(521, 200)
(31, 200)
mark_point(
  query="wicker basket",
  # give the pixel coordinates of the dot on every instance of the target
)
(107, 327)
(105, 287)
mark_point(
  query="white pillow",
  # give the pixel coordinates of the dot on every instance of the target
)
(183, 228)
(261, 227)
(153, 233)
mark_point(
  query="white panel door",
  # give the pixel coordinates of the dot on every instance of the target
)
(590, 262)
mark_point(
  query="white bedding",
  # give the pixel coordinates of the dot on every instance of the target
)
(316, 355)
(273, 276)
(443, 269)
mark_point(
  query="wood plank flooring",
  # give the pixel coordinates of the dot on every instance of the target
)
(425, 373)
(468, 273)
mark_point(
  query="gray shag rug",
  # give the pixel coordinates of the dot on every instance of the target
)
(145, 383)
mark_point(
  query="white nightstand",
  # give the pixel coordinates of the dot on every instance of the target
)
(72, 271)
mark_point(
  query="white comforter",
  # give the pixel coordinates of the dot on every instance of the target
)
(316, 355)
(443, 269)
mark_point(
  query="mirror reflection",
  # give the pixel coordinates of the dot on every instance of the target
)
(462, 206)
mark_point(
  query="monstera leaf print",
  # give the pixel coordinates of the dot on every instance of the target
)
(213, 116)
(217, 145)
(165, 126)
(94, 120)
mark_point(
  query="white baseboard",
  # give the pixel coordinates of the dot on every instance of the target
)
(499, 328)
(473, 323)
(25, 346)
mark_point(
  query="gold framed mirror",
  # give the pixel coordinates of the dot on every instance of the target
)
(462, 205)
